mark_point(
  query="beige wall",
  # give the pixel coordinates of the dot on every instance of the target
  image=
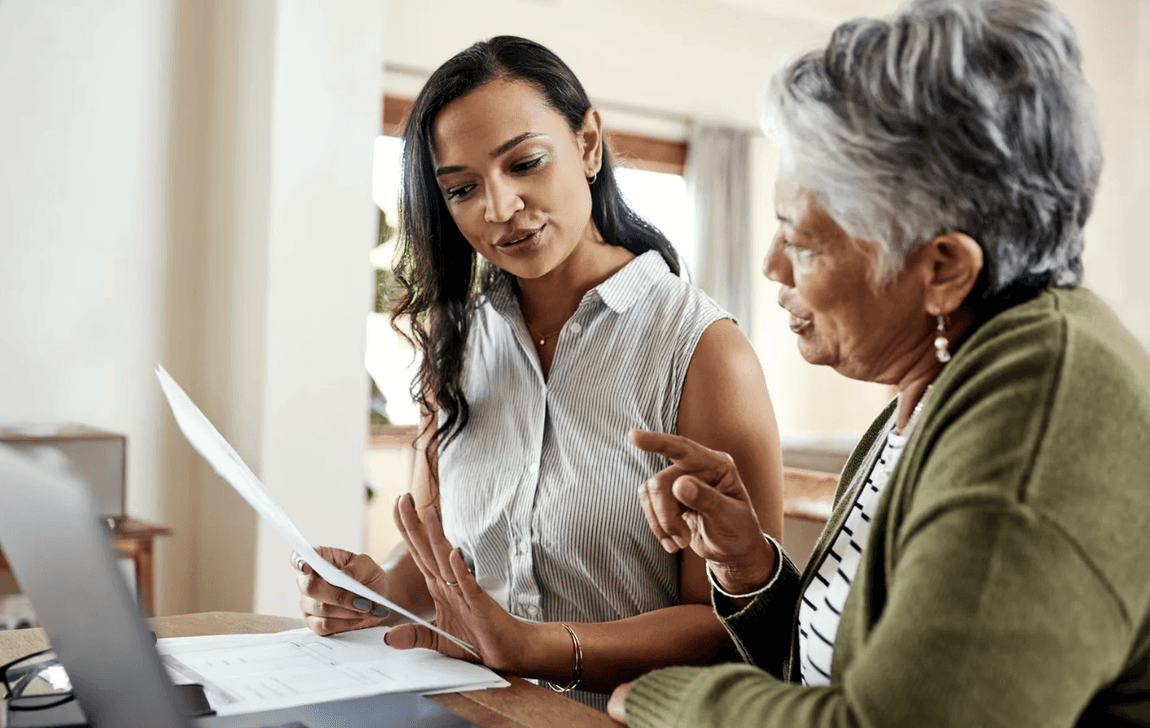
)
(276, 131)
(82, 219)
(1115, 38)
(188, 182)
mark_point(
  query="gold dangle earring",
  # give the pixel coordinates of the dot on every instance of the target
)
(941, 343)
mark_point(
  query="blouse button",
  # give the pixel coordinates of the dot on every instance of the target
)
(574, 328)
(533, 610)
(522, 547)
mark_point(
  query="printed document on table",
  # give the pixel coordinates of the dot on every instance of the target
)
(209, 443)
(256, 672)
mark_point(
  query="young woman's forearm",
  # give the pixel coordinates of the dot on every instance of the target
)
(615, 652)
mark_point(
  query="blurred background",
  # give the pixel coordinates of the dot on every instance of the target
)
(190, 182)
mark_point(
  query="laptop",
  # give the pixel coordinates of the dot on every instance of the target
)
(60, 553)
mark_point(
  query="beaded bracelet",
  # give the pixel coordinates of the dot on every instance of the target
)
(577, 673)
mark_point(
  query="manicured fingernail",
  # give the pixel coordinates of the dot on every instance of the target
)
(380, 611)
(688, 489)
(668, 545)
(681, 542)
(362, 604)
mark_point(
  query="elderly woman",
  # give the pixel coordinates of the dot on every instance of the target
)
(986, 560)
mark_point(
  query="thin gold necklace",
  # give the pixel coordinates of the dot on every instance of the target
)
(542, 339)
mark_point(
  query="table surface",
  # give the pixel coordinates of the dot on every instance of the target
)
(521, 705)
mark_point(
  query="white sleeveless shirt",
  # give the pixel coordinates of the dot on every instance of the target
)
(540, 488)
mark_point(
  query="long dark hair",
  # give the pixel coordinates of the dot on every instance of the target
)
(438, 270)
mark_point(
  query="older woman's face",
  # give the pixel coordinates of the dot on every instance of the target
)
(841, 320)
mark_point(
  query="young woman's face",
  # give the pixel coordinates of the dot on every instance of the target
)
(514, 176)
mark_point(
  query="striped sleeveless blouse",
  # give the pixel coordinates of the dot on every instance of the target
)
(539, 490)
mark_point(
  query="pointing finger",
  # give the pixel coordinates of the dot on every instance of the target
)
(713, 467)
(708, 464)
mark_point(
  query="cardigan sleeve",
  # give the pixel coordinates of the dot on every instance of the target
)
(768, 649)
(995, 618)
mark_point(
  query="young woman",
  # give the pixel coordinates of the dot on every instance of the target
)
(552, 320)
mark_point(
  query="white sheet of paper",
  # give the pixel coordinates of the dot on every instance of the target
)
(255, 672)
(209, 443)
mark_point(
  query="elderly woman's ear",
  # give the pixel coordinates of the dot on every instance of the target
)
(950, 264)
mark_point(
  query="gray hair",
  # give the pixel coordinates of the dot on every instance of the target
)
(949, 116)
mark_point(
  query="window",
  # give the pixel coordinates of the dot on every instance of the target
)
(662, 200)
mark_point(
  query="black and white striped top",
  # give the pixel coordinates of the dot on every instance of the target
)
(821, 608)
(540, 489)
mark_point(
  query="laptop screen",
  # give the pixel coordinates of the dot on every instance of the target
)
(59, 550)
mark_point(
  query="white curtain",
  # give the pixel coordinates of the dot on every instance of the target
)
(718, 181)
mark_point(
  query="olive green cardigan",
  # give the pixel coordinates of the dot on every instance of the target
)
(1006, 580)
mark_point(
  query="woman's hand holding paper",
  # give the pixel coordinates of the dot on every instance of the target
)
(328, 609)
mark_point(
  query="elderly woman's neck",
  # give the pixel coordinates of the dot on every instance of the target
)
(908, 399)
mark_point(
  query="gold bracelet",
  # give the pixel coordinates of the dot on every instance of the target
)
(577, 673)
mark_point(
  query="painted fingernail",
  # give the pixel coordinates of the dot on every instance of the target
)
(362, 604)
(380, 611)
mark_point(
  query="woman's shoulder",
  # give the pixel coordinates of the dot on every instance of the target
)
(1046, 403)
(1071, 329)
(666, 292)
(1046, 416)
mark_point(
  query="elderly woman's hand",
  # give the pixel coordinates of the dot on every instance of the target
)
(615, 708)
(700, 501)
(328, 609)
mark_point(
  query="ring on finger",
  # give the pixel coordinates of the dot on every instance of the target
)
(450, 583)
